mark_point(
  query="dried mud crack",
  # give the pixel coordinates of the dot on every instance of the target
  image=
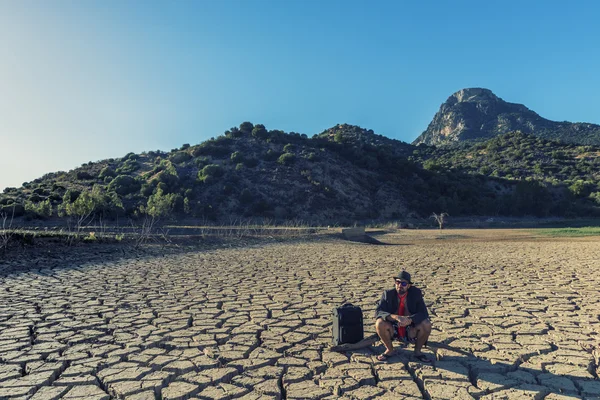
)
(512, 315)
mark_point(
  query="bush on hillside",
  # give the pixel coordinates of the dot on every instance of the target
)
(130, 156)
(271, 155)
(216, 148)
(71, 195)
(210, 173)
(124, 184)
(312, 157)
(84, 175)
(246, 127)
(260, 132)
(128, 167)
(237, 157)
(286, 159)
(39, 210)
(180, 157)
(107, 172)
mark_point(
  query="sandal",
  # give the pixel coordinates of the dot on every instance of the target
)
(383, 357)
(423, 358)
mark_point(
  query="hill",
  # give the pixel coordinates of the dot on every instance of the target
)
(478, 114)
(342, 175)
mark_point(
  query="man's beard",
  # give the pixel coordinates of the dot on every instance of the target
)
(402, 290)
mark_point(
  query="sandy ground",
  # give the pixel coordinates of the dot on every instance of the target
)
(255, 322)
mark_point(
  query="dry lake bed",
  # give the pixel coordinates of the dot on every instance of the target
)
(510, 309)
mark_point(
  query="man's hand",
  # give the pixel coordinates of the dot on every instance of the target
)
(401, 320)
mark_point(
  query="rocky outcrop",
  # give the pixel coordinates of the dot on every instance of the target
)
(478, 114)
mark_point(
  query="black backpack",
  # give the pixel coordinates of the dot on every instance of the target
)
(347, 324)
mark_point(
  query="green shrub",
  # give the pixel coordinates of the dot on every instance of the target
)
(201, 161)
(214, 148)
(128, 167)
(271, 155)
(312, 157)
(288, 148)
(71, 195)
(286, 159)
(180, 157)
(147, 189)
(260, 132)
(210, 173)
(579, 188)
(124, 184)
(246, 127)
(167, 178)
(162, 186)
(42, 209)
(237, 157)
(239, 167)
(161, 205)
(55, 197)
(107, 172)
(131, 156)
(84, 175)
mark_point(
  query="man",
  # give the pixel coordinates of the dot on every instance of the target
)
(402, 314)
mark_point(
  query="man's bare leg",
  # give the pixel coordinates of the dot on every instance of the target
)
(423, 330)
(385, 330)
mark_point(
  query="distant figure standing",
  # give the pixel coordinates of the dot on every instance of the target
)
(401, 314)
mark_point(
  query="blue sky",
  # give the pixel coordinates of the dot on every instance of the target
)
(88, 80)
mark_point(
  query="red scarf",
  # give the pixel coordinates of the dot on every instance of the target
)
(401, 311)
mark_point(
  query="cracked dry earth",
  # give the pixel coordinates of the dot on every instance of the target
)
(255, 322)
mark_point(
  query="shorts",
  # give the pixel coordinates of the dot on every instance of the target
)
(406, 338)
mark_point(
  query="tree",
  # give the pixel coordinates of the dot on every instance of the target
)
(41, 210)
(286, 159)
(237, 157)
(82, 209)
(160, 205)
(210, 173)
(440, 219)
(246, 127)
(260, 132)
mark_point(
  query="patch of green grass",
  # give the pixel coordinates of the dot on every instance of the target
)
(569, 232)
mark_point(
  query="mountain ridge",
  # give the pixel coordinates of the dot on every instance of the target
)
(342, 175)
(478, 114)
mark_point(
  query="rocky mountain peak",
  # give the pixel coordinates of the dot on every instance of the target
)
(472, 95)
(478, 114)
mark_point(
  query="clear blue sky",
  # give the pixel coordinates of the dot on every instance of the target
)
(88, 80)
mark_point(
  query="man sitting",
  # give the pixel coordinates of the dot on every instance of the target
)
(402, 314)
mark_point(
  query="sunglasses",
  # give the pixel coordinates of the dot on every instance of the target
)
(401, 283)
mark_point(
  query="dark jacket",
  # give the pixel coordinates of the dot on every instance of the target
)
(414, 302)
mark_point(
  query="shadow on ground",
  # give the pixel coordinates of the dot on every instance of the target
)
(56, 254)
(456, 373)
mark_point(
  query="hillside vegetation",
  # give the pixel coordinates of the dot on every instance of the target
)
(342, 175)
